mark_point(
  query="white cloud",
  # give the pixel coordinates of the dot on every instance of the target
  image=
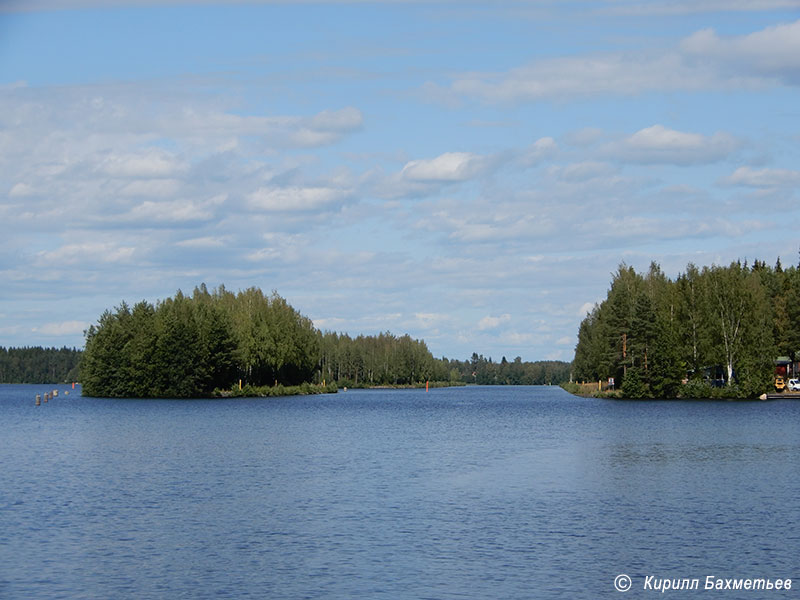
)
(659, 144)
(584, 171)
(86, 252)
(295, 199)
(447, 167)
(772, 51)
(490, 322)
(205, 123)
(583, 76)
(152, 188)
(585, 309)
(152, 163)
(431, 319)
(687, 7)
(202, 242)
(21, 190)
(764, 178)
(62, 328)
(702, 61)
(542, 149)
(175, 211)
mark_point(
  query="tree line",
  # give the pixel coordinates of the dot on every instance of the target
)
(485, 371)
(386, 359)
(39, 365)
(712, 331)
(204, 343)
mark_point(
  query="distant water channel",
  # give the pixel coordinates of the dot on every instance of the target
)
(479, 492)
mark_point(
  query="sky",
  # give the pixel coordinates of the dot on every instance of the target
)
(469, 173)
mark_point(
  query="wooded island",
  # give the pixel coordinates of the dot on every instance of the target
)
(205, 344)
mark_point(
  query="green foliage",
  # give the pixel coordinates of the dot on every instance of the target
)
(251, 391)
(187, 347)
(194, 346)
(381, 360)
(652, 333)
(696, 389)
(39, 365)
(484, 371)
(633, 386)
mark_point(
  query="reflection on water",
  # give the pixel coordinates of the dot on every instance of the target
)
(460, 493)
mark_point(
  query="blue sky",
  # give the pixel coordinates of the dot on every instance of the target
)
(470, 173)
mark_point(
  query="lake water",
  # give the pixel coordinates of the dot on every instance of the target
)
(479, 492)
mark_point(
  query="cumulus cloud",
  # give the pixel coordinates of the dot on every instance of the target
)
(659, 144)
(86, 253)
(201, 242)
(21, 190)
(63, 328)
(541, 150)
(295, 198)
(210, 123)
(447, 167)
(687, 7)
(489, 322)
(152, 188)
(763, 178)
(582, 76)
(702, 61)
(174, 211)
(584, 171)
(772, 51)
(151, 163)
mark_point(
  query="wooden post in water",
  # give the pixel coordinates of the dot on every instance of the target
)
(46, 396)
(38, 399)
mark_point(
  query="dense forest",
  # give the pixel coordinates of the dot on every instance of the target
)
(388, 360)
(188, 346)
(39, 365)
(199, 345)
(483, 371)
(711, 331)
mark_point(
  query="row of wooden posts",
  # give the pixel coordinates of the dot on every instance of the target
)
(49, 396)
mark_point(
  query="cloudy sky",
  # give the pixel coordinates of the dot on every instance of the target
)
(470, 173)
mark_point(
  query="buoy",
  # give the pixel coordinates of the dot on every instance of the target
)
(46, 396)
(426, 386)
(38, 399)
(73, 385)
(66, 393)
(55, 393)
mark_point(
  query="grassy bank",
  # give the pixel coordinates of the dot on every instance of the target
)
(693, 390)
(590, 390)
(270, 391)
(401, 386)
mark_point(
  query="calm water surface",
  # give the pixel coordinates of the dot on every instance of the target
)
(522, 492)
